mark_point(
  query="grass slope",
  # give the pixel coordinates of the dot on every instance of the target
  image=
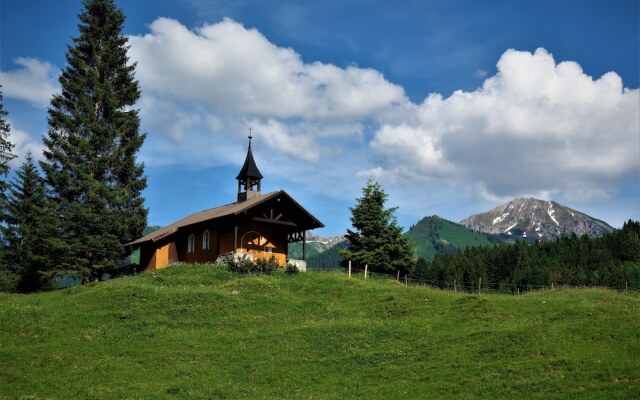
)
(434, 234)
(201, 332)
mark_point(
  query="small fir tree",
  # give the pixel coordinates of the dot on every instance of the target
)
(377, 240)
(91, 146)
(29, 229)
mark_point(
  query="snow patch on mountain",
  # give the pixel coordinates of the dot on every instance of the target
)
(499, 219)
(510, 228)
(551, 211)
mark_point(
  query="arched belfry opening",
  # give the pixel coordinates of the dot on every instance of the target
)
(249, 177)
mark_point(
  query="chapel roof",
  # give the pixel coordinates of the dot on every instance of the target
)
(227, 210)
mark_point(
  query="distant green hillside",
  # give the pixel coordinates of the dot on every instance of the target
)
(313, 248)
(200, 332)
(319, 255)
(433, 235)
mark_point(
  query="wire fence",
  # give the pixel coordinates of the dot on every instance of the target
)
(479, 286)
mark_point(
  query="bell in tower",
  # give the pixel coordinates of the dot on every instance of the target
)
(249, 177)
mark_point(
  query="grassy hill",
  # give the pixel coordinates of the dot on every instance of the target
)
(201, 332)
(433, 235)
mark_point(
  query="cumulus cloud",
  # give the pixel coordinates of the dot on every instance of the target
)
(35, 81)
(535, 128)
(208, 85)
(233, 69)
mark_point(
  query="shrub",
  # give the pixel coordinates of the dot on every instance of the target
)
(244, 265)
(241, 265)
(265, 266)
(291, 269)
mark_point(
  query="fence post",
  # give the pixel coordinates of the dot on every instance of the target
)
(366, 268)
(479, 285)
(349, 268)
(398, 277)
(626, 286)
(518, 291)
(406, 281)
(455, 289)
(551, 285)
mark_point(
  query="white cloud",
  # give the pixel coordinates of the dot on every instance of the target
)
(236, 70)
(36, 81)
(535, 128)
(203, 88)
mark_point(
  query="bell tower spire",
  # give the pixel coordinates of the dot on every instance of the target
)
(249, 177)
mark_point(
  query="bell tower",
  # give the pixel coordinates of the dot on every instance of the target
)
(249, 177)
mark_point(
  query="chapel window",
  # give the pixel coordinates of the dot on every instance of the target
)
(191, 243)
(205, 240)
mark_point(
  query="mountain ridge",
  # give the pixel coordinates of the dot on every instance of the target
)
(540, 219)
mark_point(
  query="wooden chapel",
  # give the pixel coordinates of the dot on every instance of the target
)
(259, 225)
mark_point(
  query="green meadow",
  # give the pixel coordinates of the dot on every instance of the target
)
(200, 332)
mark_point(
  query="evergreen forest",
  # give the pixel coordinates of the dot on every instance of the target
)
(611, 260)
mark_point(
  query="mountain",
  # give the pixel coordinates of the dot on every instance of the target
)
(322, 252)
(433, 235)
(537, 219)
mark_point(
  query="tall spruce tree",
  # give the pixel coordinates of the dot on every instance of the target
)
(377, 240)
(29, 230)
(93, 138)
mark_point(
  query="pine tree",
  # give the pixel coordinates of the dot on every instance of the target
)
(93, 138)
(377, 240)
(29, 229)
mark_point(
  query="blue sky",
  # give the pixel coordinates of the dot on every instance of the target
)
(454, 106)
